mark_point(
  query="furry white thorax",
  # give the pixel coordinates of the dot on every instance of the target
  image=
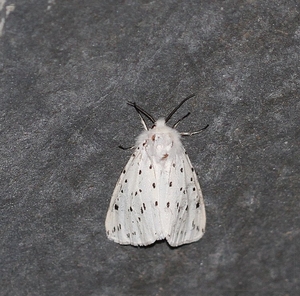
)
(161, 141)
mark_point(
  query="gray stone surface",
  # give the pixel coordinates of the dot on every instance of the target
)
(67, 70)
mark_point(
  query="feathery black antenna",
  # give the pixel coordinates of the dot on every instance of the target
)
(141, 111)
(172, 113)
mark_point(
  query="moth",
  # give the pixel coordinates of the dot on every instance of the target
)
(158, 195)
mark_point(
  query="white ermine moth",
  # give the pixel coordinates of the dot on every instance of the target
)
(158, 195)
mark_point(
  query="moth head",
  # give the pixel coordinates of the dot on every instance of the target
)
(159, 123)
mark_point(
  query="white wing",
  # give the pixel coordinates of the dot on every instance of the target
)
(133, 215)
(188, 212)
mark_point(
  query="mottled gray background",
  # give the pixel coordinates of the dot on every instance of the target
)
(67, 70)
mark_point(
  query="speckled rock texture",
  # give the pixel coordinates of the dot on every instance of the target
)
(67, 70)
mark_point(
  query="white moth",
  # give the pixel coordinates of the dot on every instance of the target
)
(158, 195)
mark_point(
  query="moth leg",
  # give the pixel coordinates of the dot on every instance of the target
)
(185, 116)
(141, 111)
(126, 148)
(194, 133)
